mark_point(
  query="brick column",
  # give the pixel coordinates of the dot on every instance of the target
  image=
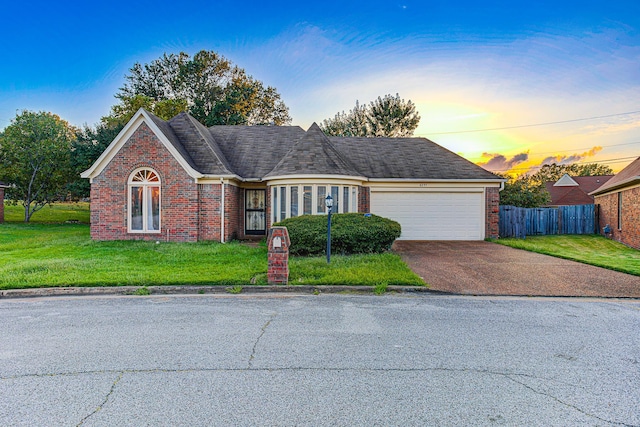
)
(278, 246)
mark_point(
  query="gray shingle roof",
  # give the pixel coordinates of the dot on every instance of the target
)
(630, 175)
(259, 152)
(313, 154)
(406, 158)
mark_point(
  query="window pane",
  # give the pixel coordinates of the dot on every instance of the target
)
(354, 199)
(275, 204)
(345, 200)
(294, 201)
(322, 194)
(283, 203)
(255, 199)
(306, 200)
(153, 221)
(136, 208)
(335, 194)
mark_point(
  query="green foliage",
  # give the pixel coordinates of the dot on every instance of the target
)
(142, 291)
(523, 192)
(351, 233)
(85, 150)
(529, 191)
(553, 172)
(234, 289)
(388, 116)
(380, 289)
(35, 158)
(208, 86)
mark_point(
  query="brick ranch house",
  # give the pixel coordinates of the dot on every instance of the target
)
(178, 180)
(619, 205)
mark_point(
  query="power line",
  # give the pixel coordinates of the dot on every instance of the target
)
(536, 124)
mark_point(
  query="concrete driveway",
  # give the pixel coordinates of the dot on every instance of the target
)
(484, 268)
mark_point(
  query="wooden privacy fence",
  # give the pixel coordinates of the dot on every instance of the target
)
(521, 222)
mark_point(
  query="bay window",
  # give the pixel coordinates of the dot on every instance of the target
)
(293, 200)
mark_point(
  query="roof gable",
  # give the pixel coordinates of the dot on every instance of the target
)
(164, 133)
(313, 154)
(626, 177)
(565, 181)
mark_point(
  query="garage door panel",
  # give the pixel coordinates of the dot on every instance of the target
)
(433, 216)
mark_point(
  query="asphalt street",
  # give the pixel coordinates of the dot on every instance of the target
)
(275, 359)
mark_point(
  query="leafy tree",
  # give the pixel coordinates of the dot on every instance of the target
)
(208, 86)
(35, 152)
(553, 171)
(523, 191)
(388, 116)
(85, 149)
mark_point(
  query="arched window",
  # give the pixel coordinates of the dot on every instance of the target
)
(144, 201)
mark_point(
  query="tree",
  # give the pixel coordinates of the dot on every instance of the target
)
(35, 152)
(523, 191)
(553, 171)
(388, 116)
(88, 145)
(208, 86)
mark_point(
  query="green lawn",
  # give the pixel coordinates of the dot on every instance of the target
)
(589, 249)
(43, 255)
(56, 213)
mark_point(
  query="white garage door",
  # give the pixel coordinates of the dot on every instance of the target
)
(433, 216)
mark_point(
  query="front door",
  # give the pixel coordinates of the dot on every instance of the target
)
(255, 212)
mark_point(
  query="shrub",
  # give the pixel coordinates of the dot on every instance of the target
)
(351, 233)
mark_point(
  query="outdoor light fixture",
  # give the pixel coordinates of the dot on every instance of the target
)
(328, 202)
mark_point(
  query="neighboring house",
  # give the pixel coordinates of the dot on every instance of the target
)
(2, 187)
(619, 205)
(574, 190)
(178, 180)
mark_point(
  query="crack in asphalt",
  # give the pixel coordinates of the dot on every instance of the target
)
(255, 344)
(121, 372)
(569, 405)
(104, 402)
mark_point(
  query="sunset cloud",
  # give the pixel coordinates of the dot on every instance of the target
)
(499, 163)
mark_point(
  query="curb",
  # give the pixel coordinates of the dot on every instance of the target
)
(199, 290)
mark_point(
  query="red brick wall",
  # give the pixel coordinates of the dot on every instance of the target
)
(364, 197)
(179, 204)
(1, 204)
(209, 212)
(492, 212)
(630, 232)
(233, 209)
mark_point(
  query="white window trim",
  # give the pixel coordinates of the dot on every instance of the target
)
(275, 204)
(145, 185)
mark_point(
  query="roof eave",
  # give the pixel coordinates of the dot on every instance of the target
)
(627, 182)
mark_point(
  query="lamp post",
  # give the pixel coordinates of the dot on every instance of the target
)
(329, 204)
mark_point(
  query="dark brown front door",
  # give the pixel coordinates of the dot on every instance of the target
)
(255, 212)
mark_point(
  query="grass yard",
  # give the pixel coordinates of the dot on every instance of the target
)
(44, 254)
(56, 213)
(588, 249)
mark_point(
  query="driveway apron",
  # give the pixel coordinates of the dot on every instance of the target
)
(485, 268)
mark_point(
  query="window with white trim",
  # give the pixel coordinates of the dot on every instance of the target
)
(293, 200)
(144, 201)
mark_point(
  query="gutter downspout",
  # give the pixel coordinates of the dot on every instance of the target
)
(221, 210)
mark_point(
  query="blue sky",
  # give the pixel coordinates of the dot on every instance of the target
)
(467, 65)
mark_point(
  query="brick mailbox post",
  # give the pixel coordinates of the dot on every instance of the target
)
(278, 244)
